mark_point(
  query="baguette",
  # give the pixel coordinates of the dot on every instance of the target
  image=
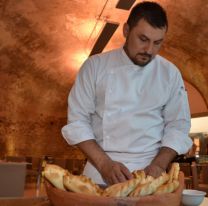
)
(54, 174)
(167, 188)
(150, 187)
(138, 174)
(81, 184)
(122, 189)
(173, 172)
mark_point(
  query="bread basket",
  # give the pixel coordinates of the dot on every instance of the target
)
(65, 198)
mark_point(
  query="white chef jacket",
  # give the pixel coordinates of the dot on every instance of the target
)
(131, 111)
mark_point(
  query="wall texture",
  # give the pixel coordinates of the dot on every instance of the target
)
(33, 89)
(38, 64)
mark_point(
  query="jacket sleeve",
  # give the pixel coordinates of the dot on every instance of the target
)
(81, 104)
(176, 115)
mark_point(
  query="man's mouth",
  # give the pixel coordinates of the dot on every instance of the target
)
(145, 56)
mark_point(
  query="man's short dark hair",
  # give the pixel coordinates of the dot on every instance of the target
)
(151, 12)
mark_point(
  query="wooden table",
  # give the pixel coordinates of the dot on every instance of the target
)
(205, 202)
(38, 197)
(43, 201)
(25, 201)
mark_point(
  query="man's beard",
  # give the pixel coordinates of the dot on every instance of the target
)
(136, 61)
(142, 63)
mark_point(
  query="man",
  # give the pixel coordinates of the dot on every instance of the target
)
(128, 108)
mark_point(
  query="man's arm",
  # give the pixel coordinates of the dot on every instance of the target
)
(176, 117)
(111, 171)
(161, 162)
(81, 104)
(177, 120)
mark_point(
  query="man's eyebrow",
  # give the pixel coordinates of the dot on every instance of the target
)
(143, 35)
(159, 40)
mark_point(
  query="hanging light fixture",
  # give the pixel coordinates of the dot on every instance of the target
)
(125, 4)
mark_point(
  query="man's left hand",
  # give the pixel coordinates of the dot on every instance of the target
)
(153, 170)
(160, 162)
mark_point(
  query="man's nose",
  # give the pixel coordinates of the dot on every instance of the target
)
(149, 48)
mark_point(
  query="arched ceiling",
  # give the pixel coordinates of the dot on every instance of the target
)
(44, 42)
(58, 35)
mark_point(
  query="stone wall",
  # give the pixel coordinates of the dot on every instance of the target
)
(38, 44)
(33, 87)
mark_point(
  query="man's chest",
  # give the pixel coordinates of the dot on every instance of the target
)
(130, 90)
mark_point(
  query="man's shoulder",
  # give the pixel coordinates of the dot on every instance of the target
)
(98, 64)
(165, 61)
(167, 64)
(167, 69)
(105, 56)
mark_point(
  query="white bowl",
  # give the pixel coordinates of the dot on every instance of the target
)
(192, 197)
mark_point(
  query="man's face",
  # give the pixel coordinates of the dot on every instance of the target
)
(143, 42)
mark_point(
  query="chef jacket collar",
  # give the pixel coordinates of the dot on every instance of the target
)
(128, 61)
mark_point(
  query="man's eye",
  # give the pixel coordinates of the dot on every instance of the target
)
(143, 39)
(157, 43)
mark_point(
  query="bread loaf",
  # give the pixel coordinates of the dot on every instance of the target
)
(54, 174)
(122, 189)
(81, 184)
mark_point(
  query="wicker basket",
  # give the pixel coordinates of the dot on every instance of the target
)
(65, 198)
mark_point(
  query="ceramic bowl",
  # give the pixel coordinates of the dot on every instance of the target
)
(192, 197)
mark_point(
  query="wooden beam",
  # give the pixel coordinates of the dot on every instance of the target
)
(104, 37)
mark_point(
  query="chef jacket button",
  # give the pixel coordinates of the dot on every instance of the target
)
(110, 91)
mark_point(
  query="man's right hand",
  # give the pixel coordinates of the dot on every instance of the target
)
(114, 172)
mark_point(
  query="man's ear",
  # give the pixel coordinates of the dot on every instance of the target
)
(125, 30)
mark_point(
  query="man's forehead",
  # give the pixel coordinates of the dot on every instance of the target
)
(144, 28)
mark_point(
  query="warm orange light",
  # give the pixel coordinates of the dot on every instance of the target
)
(76, 59)
(83, 29)
(197, 143)
(87, 30)
(79, 57)
(10, 146)
(91, 26)
(95, 30)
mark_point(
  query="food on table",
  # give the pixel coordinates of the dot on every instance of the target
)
(81, 184)
(140, 185)
(54, 174)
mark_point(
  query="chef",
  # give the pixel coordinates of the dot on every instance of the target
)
(128, 108)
